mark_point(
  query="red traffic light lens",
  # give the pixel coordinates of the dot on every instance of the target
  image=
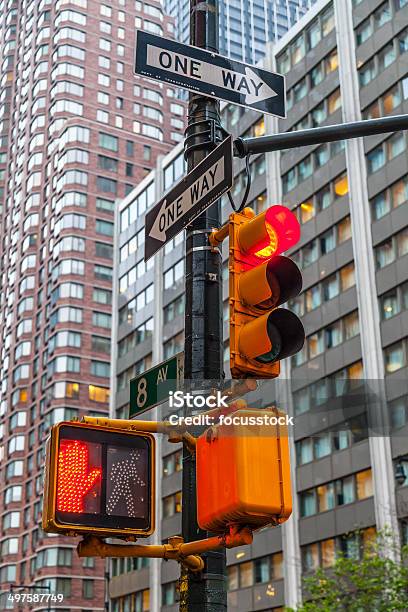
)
(269, 234)
(283, 232)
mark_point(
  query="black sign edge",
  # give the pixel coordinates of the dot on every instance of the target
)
(150, 75)
(184, 178)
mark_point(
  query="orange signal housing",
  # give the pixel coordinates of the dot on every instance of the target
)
(239, 313)
(260, 279)
(243, 474)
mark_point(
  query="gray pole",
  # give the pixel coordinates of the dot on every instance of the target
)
(205, 592)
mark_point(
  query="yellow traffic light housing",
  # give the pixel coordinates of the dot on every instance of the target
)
(243, 471)
(99, 480)
(261, 280)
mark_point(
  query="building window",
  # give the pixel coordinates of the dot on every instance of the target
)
(394, 357)
(88, 589)
(100, 368)
(101, 319)
(101, 344)
(169, 594)
(337, 493)
(103, 250)
(174, 274)
(130, 148)
(174, 309)
(102, 296)
(108, 163)
(388, 251)
(174, 345)
(172, 463)
(326, 388)
(105, 205)
(104, 227)
(109, 142)
(106, 185)
(98, 394)
(171, 505)
(393, 302)
(152, 131)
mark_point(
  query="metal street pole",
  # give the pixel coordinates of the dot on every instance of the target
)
(329, 133)
(205, 592)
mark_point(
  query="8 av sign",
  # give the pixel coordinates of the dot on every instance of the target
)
(209, 74)
(152, 387)
(189, 198)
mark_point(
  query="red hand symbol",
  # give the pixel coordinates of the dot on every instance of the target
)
(74, 478)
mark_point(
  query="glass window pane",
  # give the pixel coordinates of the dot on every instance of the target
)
(364, 484)
(322, 445)
(310, 557)
(308, 504)
(246, 574)
(389, 304)
(328, 552)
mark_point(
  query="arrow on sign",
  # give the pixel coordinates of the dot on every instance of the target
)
(209, 74)
(207, 182)
(170, 212)
(253, 88)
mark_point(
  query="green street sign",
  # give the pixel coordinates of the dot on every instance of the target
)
(153, 387)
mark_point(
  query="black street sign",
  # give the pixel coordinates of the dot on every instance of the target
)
(209, 74)
(189, 198)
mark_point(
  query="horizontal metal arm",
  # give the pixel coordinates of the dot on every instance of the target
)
(174, 433)
(329, 133)
(186, 553)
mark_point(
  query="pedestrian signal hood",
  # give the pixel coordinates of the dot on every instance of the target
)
(243, 472)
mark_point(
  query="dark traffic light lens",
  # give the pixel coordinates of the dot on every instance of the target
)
(286, 335)
(276, 341)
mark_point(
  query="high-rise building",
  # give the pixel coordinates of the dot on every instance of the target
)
(344, 61)
(245, 25)
(77, 132)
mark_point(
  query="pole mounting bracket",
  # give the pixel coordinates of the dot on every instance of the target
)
(212, 134)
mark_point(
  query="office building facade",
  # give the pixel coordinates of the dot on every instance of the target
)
(245, 25)
(77, 131)
(343, 61)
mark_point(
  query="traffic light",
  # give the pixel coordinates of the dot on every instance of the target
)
(99, 480)
(261, 279)
(243, 471)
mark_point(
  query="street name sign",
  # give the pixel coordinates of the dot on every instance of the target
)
(210, 74)
(153, 387)
(200, 188)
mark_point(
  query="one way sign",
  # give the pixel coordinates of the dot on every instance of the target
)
(189, 198)
(209, 74)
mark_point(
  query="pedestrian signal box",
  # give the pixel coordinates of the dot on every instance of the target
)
(261, 279)
(243, 472)
(99, 480)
